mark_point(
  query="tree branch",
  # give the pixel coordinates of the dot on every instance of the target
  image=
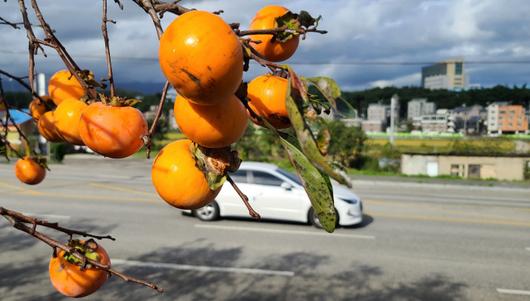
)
(19, 221)
(107, 49)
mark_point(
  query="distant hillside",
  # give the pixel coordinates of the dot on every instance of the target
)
(443, 98)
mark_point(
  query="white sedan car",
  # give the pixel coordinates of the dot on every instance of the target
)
(277, 194)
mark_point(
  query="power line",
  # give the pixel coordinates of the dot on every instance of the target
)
(319, 63)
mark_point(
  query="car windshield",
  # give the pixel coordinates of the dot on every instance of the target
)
(290, 176)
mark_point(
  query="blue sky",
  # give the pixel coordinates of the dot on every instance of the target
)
(359, 31)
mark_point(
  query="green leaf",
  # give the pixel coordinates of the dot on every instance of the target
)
(307, 141)
(316, 184)
(290, 21)
(327, 87)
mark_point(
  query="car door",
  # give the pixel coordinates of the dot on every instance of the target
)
(229, 201)
(273, 201)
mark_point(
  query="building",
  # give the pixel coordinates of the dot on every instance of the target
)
(504, 118)
(377, 111)
(373, 126)
(418, 107)
(441, 122)
(448, 75)
(510, 168)
(469, 120)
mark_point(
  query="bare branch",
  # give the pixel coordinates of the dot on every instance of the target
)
(19, 221)
(107, 49)
(157, 117)
(244, 198)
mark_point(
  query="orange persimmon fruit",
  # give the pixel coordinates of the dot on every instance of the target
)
(70, 280)
(64, 85)
(37, 107)
(67, 117)
(270, 48)
(267, 95)
(29, 171)
(201, 57)
(112, 131)
(214, 126)
(178, 180)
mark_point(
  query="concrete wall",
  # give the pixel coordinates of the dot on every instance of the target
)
(501, 168)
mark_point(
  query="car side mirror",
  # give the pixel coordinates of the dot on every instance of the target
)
(286, 186)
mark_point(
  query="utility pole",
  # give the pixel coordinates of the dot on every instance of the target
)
(393, 105)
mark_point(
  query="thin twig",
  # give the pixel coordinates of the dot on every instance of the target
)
(107, 49)
(157, 117)
(61, 51)
(274, 31)
(243, 197)
(12, 24)
(18, 221)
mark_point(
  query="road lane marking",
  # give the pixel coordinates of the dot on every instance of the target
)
(437, 207)
(46, 216)
(82, 196)
(269, 230)
(120, 188)
(202, 268)
(513, 292)
(452, 219)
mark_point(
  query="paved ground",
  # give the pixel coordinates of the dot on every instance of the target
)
(419, 242)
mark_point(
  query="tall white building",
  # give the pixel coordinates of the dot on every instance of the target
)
(448, 75)
(418, 107)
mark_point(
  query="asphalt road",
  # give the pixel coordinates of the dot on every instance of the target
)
(419, 242)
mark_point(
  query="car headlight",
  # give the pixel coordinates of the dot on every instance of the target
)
(350, 201)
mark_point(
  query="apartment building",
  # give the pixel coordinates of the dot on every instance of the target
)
(506, 119)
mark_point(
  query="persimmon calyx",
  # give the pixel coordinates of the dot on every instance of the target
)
(294, 25)
(117, 101)
(86, 248)
(215, 163)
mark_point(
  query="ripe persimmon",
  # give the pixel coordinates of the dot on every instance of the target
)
(201, 57)
(112, 131)
(270, 48)
(178, 180)
(64, 85)
(47, 128)
(28, 171)
(67, 116)
(37, 107)
(70, 280)
(267, 95)
(214, 126)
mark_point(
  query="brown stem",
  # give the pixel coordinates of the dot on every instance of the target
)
(148, 7)
(61, 51)
(107, 49)
(5, 22)
(243, 197)
(157, 117)
(34, 221)
(274, 31)
(18, 221)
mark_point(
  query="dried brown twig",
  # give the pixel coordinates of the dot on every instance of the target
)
(108, 59)
(29, 225)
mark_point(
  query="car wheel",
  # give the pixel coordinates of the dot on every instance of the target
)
(313, 218)
(207, 213)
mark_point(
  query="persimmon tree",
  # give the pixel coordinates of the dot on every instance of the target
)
(204, 59)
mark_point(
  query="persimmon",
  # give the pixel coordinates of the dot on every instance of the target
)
(201, 57)
(47, 128)
(178, 180)
(69, 279)
(29, 171)
(37, 107)
(64, 85)
(214, 126)
(112, 131)
(267, 95)
(269, 47)
(67, 116)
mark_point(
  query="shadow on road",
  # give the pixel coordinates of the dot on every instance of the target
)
(356, 282)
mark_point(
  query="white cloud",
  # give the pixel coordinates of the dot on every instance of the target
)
(359, 30)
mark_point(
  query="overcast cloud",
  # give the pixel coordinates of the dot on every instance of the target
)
(362, 30)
